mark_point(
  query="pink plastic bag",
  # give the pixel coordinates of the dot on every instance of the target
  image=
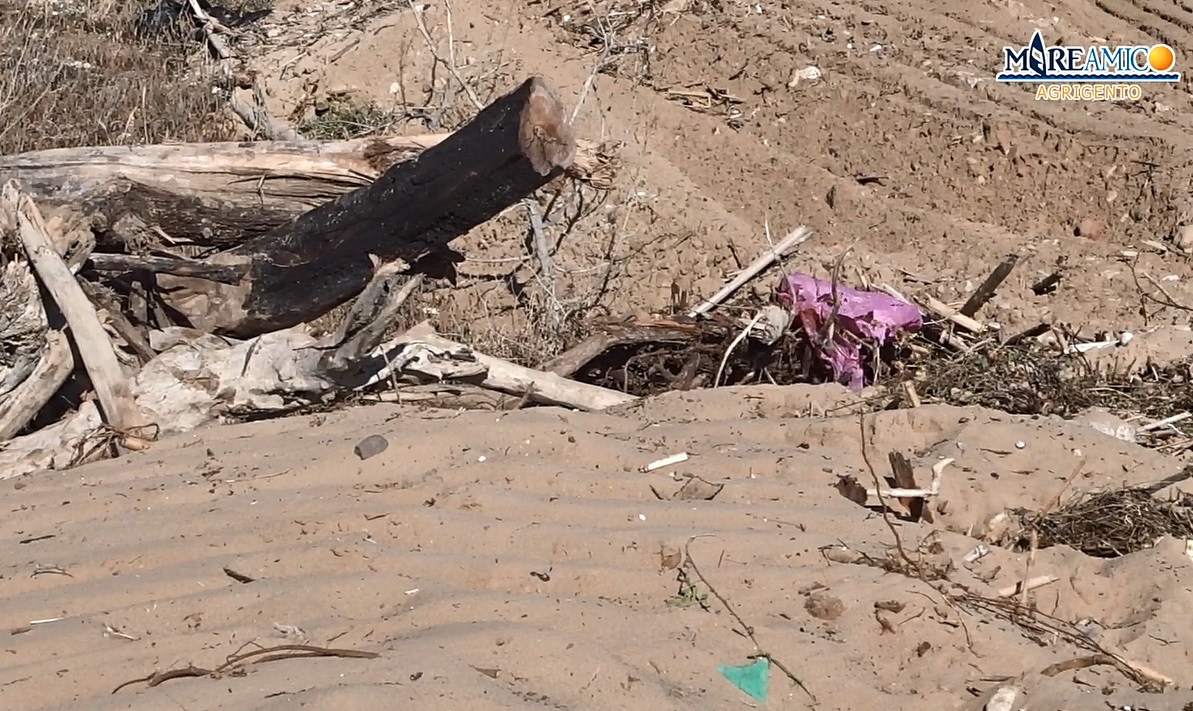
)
(864, 317)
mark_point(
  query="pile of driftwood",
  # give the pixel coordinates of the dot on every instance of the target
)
(297, 230)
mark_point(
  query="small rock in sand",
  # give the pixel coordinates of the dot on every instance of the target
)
(371, 446)
(1089, 228)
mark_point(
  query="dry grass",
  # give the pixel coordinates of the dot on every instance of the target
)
(617, 31)
(346, 119)
(72, 74)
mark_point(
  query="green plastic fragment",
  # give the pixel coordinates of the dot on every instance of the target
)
(750, 678)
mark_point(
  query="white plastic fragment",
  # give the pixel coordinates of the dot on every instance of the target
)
(1002, 700)
(977, 553)
(809, 73)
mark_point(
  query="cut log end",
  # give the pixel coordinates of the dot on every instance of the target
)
(544, 134)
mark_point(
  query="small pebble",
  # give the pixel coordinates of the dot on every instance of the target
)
(371, 446)
(1089, 228)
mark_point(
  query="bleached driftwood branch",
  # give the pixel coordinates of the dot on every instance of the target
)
(221, 194)
(542, 387)
(55, 365)
(52, 447)
(197, 378)
(776, 252)
(932, 490)
(22, 326)
(95, 349)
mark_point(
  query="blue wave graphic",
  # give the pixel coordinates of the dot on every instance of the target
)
(1090, 78)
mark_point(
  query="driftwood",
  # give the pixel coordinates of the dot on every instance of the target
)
(776, 252)
(22, 326)
(536, 385)
(199, 378)
(54, 447)
(609, 336)
(176, 266)
(109, 381)
(18, 408)
(35, 355)
(220, 194)
(315, 227)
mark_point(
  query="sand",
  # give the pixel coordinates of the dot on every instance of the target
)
(518, 560)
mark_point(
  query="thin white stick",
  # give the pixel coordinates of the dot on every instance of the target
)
(1165, 422)
(945, 311)
(664, 462)
(939, 308)
(209, 25)
(947, 339)
(1031, 584)
(738, 339)
(902, 493)
(795, 238)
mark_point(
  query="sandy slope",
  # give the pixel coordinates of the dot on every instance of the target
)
(428, 555)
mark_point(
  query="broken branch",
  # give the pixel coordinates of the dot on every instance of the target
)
(321, 259)
(109, 381)
(932, 490)
(547, 388)
(795, 238)
(22, 405)
(986, 290)
(178, 266)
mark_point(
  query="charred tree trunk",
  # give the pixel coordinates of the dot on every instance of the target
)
(324, 257)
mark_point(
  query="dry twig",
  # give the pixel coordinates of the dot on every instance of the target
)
(746, 629)
(795, 238)
(237, 662)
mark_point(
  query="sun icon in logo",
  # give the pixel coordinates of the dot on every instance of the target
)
(1161, 58)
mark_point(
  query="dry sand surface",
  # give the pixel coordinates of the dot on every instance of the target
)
(516, 560)
(520, 560)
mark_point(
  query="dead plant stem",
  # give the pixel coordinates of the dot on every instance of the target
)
(450, 61)
(747, 630)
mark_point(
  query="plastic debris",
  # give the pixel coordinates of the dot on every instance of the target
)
(862, 317)
(1002, 700)
(809, 73)
(751, 678)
